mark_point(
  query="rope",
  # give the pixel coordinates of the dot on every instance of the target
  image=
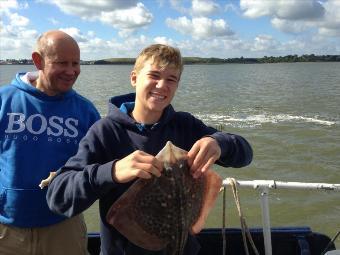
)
(330, 243)
(223, 223)
(244, 227)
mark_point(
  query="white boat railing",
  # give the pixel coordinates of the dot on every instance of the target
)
(264, 186)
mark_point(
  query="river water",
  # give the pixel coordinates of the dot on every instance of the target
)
(290, 114)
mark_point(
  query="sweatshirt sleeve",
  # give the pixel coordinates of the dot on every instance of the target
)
(235, 150)
(84, 178)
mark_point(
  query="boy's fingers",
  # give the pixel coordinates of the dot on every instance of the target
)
(201, 159)
(155, 171)
(142, 174)
(201, 171)
(148, 168)
(208, 165)
(145, 158)
(192, 154)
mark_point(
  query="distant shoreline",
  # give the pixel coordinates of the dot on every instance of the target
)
(199, 60)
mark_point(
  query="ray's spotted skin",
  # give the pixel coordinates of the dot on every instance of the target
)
(159, 213)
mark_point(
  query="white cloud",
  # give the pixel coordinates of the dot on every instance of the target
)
(315, 45)
(297, 16)
(90, 8)
(329, 32)
(133, 17)
(299, 10)
(5, 6)
(161, 40)
(16, 42)
(198, 8)
(288, 26)
(18, 21)
(226, 47)
(232, 8)
(212, 37)
(177, 5)
(204, 7)
(75, 33)
(330, 26)
(95, 48)
(17, 39)
(201, 27)
(295, 46)
(127, 14)
(284, 9)
(125, 33)
(91, 33)
(264, 43)
(164, 40)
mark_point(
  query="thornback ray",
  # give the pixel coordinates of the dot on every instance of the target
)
(159, 213)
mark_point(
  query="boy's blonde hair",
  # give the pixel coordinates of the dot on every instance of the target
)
(161, 55)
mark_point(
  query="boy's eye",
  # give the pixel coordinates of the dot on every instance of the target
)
(173, 80)
(153, 76)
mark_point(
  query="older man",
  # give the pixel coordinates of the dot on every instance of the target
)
(42, 121)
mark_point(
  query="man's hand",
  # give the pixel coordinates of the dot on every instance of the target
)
(137, 164)
(203, 155)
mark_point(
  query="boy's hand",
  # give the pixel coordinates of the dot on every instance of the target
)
(203, 155)
(137, 164)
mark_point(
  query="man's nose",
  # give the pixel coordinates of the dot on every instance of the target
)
(71, 69)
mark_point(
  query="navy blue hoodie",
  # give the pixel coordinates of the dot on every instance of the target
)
(87, 176)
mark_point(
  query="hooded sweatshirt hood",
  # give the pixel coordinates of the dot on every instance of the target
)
(20, 84)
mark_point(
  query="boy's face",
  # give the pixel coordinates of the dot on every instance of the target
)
(155, 88)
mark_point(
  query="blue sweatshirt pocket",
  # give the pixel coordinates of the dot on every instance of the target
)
(26, 208)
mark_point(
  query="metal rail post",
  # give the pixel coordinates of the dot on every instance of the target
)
(266, 221)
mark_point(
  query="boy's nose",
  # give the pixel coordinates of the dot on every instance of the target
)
(161, 83)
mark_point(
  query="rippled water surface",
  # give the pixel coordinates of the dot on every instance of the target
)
(288, 112)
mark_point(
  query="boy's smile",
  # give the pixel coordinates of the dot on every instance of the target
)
(155, 88)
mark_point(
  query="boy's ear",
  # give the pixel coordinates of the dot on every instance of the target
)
(38, 60)
(133, 78)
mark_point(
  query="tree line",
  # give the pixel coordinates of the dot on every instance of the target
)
(241, 60)
(199, 60)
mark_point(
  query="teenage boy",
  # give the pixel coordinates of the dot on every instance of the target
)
(122, 147)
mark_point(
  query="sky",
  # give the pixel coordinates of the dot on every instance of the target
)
(199, 28)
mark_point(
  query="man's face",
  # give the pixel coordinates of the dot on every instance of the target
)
(61, 69)
(155, 87)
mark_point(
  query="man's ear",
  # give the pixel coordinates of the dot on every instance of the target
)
(38, 60)
(133, 78)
